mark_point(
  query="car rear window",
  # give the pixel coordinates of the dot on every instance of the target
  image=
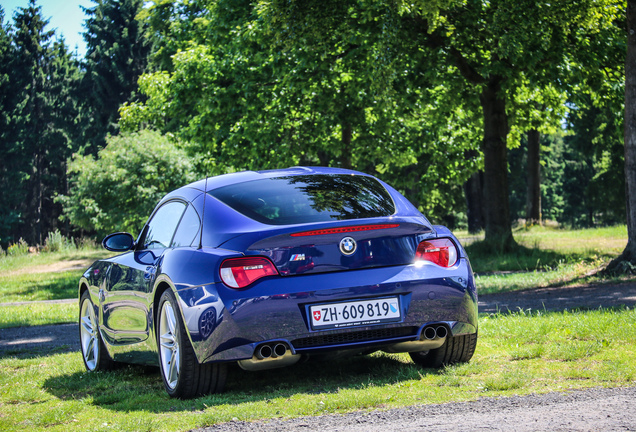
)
(301, 199)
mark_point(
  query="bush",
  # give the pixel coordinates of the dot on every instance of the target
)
(87, 243)
(19, 248)
(55, 242)
(118, 190)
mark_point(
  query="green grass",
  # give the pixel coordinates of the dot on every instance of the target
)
(520, 353)
(14, 263)
(44, 276)
(37, 314)
(546, 256)
(39, 286)
(543, 248)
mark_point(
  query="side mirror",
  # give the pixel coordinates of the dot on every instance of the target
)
(119, 242)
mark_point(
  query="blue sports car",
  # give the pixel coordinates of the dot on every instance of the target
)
(265, 268)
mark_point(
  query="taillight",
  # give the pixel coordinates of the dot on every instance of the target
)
(240, 272)
(438, 251)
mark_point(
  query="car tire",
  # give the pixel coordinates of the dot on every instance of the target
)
(183, 376)
(456, 349)
(94, 353)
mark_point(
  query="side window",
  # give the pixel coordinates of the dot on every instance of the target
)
(163, 224)
(188, 229)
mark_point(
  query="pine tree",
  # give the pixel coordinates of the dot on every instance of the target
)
(41, 127)
(117, 53)
(8, 213)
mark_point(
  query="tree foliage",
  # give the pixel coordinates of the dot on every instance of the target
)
(248, 99)
(409, 91)
(40, 127)
(117, 51)
(117, 190)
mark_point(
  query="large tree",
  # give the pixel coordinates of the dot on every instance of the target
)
(499, 46)
(495, 47)
(9, 215)
(41, 129)
(627, 260)
(117, 50)
(38, 128)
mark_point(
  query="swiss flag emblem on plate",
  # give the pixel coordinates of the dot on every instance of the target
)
(317, 315)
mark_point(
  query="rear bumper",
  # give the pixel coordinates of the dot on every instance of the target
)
(227, 325)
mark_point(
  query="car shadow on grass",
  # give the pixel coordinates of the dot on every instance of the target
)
(136, 388)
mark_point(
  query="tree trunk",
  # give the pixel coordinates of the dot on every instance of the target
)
(347, 137)
(473, 189)
(494, 146)
(627, 260)
(533, 197)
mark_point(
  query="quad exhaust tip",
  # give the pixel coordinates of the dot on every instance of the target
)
(432, 333)
(433, 336)
(273, 351)
(269, 356)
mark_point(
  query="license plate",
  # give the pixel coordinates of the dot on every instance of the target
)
(355, 313)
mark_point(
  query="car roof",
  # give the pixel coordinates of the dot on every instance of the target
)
(216, 182)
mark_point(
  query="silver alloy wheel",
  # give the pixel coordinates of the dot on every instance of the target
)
(88, 335)
(169, 349)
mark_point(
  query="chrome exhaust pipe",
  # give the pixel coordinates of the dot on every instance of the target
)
(264, 352)
(269, 356)
(430, 333)
(441, 332)
(279, 350)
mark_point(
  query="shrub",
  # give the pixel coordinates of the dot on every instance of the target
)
(118, 190)
(87, 243)
(55, 242)
(19, 248)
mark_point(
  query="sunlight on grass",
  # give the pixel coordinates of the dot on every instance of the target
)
(39, 286)
(560, 275)
(38, 314)
(582, 241)
(546, 256)
(44, 276)
(519, 353)
(31, 262)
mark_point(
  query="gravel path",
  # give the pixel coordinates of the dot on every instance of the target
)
(584, 410)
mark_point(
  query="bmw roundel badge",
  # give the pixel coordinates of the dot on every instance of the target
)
(348, 246)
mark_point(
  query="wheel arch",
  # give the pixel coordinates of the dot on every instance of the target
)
(162, 285)
(82, 287)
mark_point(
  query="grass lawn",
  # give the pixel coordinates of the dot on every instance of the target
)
(43, 276)
(38, 314)
(546, 256)
(516, 354)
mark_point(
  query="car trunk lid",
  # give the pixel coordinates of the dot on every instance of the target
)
(344, 246)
